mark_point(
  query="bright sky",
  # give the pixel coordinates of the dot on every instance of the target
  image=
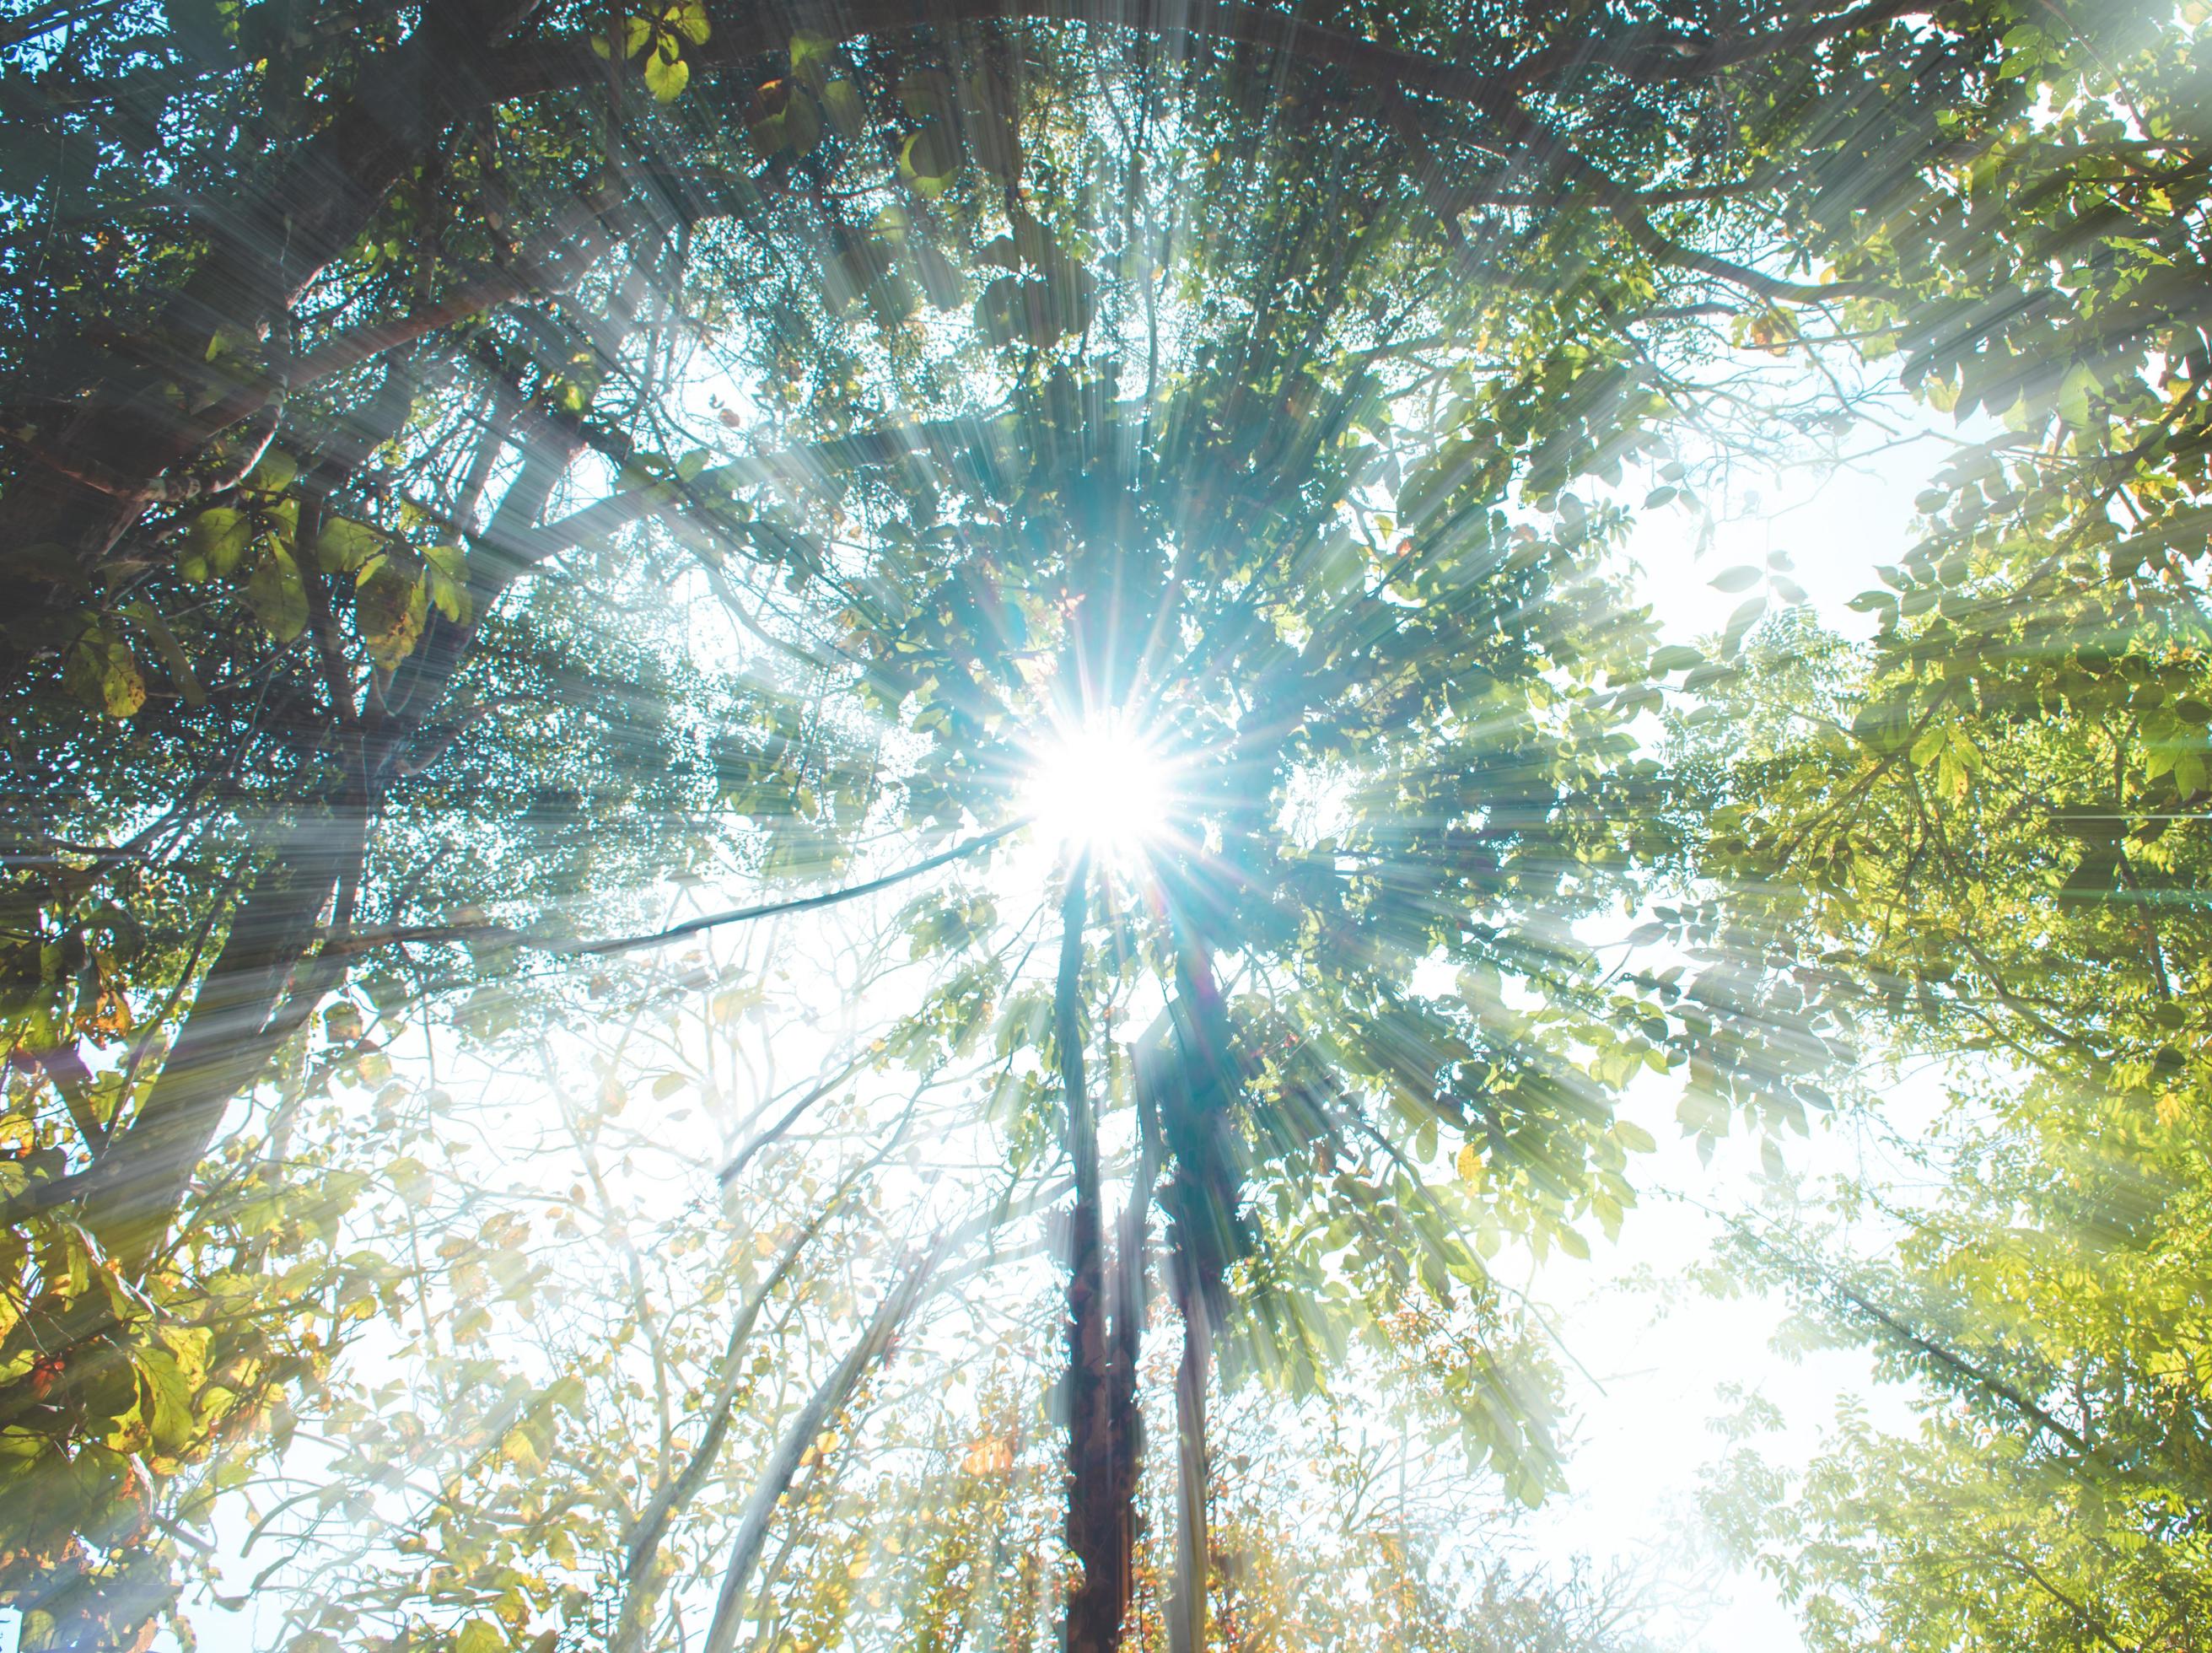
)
(1658, 1351)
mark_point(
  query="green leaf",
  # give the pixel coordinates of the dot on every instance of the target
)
(217, 542)
(143, 615)
(665, 78)
(480, 1636)
(170, 1416)
(1740, 623)
(277, 595)
(410, 1180)
(688, 19)
(783, 116)
(100, 670)
(446, 574)
(929, 159)
(2074, 394)
(1735, 580)
(275, 472)
(811, 56)
(844, 106)
(344, 544)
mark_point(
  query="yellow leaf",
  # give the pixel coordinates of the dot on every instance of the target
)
(520, 1451)
(389, 609)
(100, 671)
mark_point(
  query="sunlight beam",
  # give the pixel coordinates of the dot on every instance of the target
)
(1098, 784)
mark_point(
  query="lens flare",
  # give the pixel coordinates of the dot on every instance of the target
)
(1099, 786)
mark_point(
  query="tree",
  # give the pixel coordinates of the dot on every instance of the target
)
(2036, 1293)
(487, 252)
(1982, 825)
(608, 1362)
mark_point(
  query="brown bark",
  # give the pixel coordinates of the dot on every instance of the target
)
(1193, 1376)
(1124, 1346)
(1107, 1306)
(1095, 1604)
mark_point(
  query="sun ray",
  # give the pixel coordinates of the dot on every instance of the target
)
(1101, 785)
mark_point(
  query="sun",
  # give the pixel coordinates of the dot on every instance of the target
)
(1098, 784)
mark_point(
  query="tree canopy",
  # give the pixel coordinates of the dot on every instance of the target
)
(474, 469)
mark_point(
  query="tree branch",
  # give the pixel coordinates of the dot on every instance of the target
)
(362, 941)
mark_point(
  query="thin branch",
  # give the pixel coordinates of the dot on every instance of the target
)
(362, 941)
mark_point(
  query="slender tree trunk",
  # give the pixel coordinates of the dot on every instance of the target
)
(1202, 1203)
(1107, 1306)
(643, 1579)
(237, 1019)
(1125, 1339)
(1095, 1605)
(1194, 1373)
(776, 1476)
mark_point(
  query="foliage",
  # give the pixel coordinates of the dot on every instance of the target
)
(398, 401)
(1985, 825)
(2042, 1296)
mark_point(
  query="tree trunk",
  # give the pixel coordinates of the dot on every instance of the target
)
(1107, 1306)
(1126, 1339)
(264, 984)
(1201, 1201)
(1193, 1372)
(836, 1391)
(643, 1579)
(1096, 1603)
(237, 1021)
